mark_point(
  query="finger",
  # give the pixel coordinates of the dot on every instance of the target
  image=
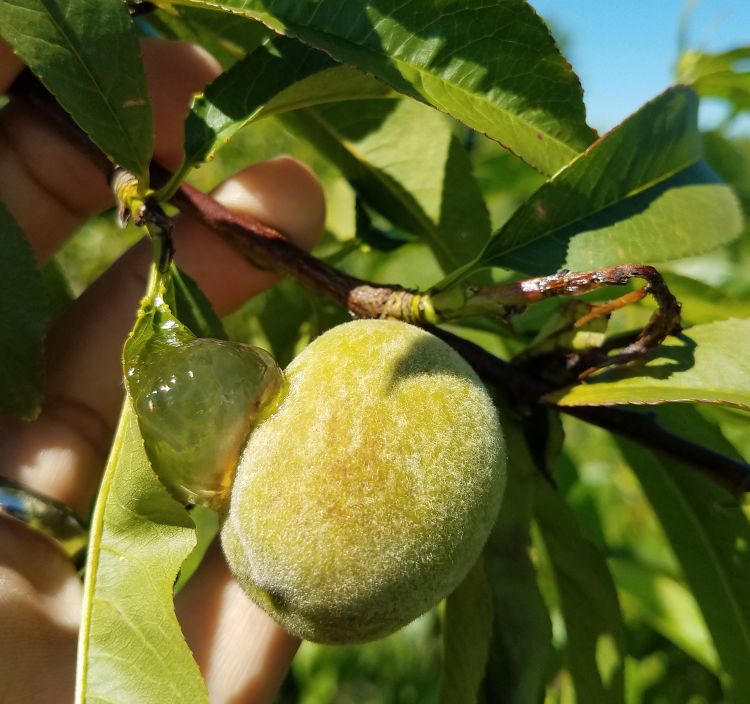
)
(281, 192)
(175, 71)
(242, 653)
(45, 183)
(62, 453)
(49, 185)
(40, 603)
(10, 66)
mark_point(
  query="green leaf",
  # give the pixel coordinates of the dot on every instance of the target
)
(227, 37)
(284, 76)
(286, 309)
(56, 288)
(730, 158)
(24, 319)
(521, 641)
(667, 606)
(207, 527)
(404, 160)
(710, 536)
(192, 307)
(640, 193)
(718, 75)
(493, 66)
(130, 644)
(87, 54)
(702, 303)
(595, 649)
(706, 363)
(466, 638)
(733, 423)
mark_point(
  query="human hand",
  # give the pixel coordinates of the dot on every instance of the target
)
(50, 188)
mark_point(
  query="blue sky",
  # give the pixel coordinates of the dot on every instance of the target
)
(624, 51)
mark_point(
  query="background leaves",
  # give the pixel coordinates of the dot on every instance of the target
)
(520, 649)
(466, 638)
(722, 75)
(595, 647)
(710, 535)
(667, 606)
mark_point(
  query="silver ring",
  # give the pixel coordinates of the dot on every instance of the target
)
(45, 516)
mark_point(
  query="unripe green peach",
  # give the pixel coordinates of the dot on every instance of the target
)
(366, 495)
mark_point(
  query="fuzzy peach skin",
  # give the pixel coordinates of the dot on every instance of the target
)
(366, 495)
